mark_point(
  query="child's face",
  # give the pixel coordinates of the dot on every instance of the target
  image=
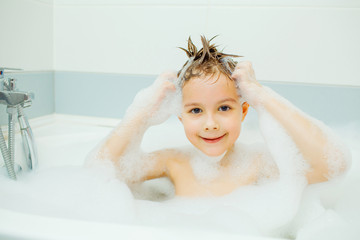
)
(212, 113)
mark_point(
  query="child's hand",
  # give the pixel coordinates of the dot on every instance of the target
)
(156, 103)
(163, 87)
(248, 87)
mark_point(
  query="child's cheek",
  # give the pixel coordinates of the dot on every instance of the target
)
(194, 126)
(233, 124)
(190, 125)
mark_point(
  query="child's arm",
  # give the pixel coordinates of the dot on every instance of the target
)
(321, 151)
(122, 146)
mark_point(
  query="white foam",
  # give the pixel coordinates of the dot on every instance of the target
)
(132, 165)
(323, 211)
(281, 206)
(205, 168)
(69, 192)
(146, 99)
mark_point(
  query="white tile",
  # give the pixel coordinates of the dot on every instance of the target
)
(131, 2)
(293, 44)
(287, 3)
(26, 35)
(135, 40)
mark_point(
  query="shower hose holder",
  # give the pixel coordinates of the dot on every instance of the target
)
(15, 101)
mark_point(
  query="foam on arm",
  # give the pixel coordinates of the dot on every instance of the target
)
(322, 151)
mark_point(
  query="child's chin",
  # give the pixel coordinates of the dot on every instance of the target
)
(214, 154)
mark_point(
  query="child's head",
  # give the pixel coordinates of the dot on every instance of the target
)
(211, 109)
(205, 62)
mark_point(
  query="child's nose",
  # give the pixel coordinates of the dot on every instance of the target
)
(211, 124)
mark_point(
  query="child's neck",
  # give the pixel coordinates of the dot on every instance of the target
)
(206, 168)
(209, 159)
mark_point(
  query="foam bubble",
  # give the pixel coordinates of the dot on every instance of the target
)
(205, 168)
(322, 211)
(133, 164)
(147, 99)
(337, 154)
(158, 189)
(328, 226)
(69, 192)
(131, 167)
(278, 206)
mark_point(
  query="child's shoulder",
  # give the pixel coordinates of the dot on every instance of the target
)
(255, 156)
(171, 156)
(249, 152)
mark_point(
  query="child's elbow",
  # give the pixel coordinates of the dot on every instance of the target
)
(334, 164)
(339, 162)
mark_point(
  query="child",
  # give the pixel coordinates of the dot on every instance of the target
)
(216, 94)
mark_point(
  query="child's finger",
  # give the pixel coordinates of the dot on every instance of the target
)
(239, 74)
(168, 75)
(163, 90)
(165, 77)
(169, 86)
(244, 64)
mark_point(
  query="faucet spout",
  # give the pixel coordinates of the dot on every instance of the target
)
(11, 98)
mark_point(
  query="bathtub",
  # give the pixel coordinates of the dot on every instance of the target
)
(65, 140)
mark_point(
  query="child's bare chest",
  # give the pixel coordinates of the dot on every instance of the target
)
(187, 183)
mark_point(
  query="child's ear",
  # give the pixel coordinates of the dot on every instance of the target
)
(179, 117)
(245, 108)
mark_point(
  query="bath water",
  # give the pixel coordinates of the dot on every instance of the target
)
(286, 209)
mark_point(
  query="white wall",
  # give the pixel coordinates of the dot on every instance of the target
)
(295, 41)
(26, 34)
(287, 40)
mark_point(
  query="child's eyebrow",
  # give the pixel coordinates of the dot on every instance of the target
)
(228, 100)
(221, 101)
(191, 104)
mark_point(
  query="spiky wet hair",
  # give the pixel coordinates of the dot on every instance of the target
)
(207, 61)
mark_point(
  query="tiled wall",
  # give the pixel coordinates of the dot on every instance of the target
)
(90, 57)
(96, 94)
(109, 95)
(42, 85)
(302, 41)
(26, 34)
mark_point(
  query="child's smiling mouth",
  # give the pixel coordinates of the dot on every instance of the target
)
(213, 140)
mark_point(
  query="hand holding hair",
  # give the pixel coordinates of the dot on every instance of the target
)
(153, 104)
(248, 87)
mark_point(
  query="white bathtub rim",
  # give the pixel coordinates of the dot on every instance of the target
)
(27, 226)
(87, 120)
(64, 118)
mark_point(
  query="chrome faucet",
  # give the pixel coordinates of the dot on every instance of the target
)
(16, 101)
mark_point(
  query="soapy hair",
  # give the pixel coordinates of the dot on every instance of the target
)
(207, 61)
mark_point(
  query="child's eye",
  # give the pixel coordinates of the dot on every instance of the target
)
(224, 108)
(196, 110)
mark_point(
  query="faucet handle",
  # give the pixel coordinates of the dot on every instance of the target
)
(10, 84)
(2, 69)
(4, 84)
